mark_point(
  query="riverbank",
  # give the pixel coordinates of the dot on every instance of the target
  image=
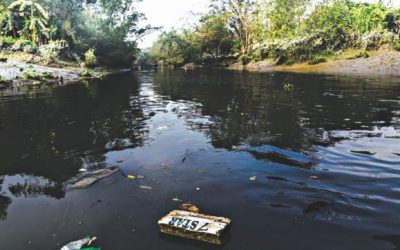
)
(21, 69)
(376, 63)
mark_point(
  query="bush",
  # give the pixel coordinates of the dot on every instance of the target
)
(396, 46)
(316, 60)
(29, 49)
(20, 44)
(245, 59)
(376, 39)
(362, 54)
(30, 73)
(51, 52)
(299, 49)
(4, 82)
(90, 58)
(6, 41)
(86, 73)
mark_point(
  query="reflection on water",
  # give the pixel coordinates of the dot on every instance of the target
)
(327, 150)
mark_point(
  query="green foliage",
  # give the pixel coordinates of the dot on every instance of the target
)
(376, 39)
(286, 30)
(109, 27)
(396, 46)
(212, 37)
(316, 60)
(245, 59)
(35, 19)
(23, 45)
(7, 41)
(172, 48)
(90, 58)
(30, 73)
(52, 51)
(361, 54)
(86, 73)
(285, 17)
(48, 75)
(4, 82)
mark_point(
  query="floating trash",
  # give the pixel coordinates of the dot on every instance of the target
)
(363, 152)
(190, 208)
(88, 179)
(194, 226)
(79, 244)
(314, 178)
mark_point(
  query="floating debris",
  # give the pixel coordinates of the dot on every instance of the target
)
(162, 128)
(79, 244)
(132, 177)
(176, 199)
(146, 187)
(194, 226)
(278, 155)
(253, 178)
(88, 179)
(190, 208)
(314, 178)
(363, 152)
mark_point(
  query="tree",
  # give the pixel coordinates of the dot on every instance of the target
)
(239, 15)
(7, 21)
(171, 48)
(35, 18)
(285, 17)
(213, 37)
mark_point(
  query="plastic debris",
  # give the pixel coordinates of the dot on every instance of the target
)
(82, 170)
(132, 177)
(253, 178)
(162, 128)
(314, 178)
(194, 226)
(146, 187)
(89, 178)
(190, 208)
(78, 244)
(363, 152)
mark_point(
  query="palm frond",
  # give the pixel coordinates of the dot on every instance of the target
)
(41, 10)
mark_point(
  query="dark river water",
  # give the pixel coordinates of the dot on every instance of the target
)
(314, 164)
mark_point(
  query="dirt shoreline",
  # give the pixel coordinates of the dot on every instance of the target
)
(12, 74)
(380, 63)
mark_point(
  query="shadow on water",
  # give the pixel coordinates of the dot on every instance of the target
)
(49, 135)
(321, 157)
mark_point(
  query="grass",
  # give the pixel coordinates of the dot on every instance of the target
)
(317, 60)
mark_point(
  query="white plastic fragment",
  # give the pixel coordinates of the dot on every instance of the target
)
(78, 244)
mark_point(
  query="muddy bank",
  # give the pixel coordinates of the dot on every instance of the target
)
(14, 70)
(15, 73)
(379, 63)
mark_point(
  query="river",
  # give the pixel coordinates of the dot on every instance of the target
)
(296, 161)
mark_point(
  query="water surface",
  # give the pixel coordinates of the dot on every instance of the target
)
(324, 153)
